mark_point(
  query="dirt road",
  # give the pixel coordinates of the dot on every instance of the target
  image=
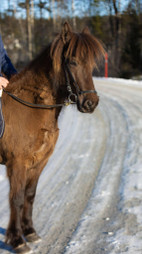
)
(89, 197)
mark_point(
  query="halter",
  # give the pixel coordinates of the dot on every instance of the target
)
(69, 77)
(72, 97)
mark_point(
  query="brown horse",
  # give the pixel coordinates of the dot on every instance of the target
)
(63, 71)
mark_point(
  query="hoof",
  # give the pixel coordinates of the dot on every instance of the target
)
(33, 238)
(23, 249)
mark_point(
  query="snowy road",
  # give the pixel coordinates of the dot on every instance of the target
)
(89, 197)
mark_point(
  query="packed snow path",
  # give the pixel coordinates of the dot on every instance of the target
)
(89, 197)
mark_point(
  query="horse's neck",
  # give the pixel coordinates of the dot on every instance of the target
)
(36, 88)
(38, 82)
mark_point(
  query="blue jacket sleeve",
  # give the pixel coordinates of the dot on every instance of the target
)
(6, 65)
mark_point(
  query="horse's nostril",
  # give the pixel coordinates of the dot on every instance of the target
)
(87, 106)
(89, 103)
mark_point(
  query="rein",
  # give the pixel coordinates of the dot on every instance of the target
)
(72, 97)
(40, 106)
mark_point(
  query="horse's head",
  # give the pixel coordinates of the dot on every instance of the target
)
(75, 55)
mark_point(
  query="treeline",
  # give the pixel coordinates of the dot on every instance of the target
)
(27, 26)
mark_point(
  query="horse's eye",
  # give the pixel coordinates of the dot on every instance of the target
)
(73, 63)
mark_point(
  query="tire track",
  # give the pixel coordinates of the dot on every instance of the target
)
(71, 198)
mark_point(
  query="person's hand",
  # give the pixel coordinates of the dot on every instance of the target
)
(3, 82)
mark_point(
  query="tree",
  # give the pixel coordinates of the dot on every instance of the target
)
(73, 15)
(29, 27)
(28, 5)
(132, 50)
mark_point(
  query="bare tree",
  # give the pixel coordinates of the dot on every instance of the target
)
(73, 14)
(30, 25)
(29, 32)
(53, 13)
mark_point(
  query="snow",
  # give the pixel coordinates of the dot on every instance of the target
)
(120, 81)
(89, 197)
(127, 239)
(2, 178)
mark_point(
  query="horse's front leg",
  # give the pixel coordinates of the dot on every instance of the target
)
(27, 223)
(17, 179)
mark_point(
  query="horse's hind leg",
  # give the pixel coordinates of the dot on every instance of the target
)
(27, 223)
(17, 178)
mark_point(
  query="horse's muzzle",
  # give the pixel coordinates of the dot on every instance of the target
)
(88, 105)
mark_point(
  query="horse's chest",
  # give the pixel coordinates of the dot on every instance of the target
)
(45, 146)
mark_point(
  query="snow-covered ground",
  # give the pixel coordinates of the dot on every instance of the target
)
(89, 197)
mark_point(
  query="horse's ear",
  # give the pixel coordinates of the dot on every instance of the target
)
(86, 30)
(66, 32)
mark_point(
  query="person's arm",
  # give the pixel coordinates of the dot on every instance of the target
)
(6, 65)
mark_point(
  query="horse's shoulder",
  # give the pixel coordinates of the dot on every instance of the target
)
(44, 147)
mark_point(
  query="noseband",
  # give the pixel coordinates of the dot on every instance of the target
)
(70, 79)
